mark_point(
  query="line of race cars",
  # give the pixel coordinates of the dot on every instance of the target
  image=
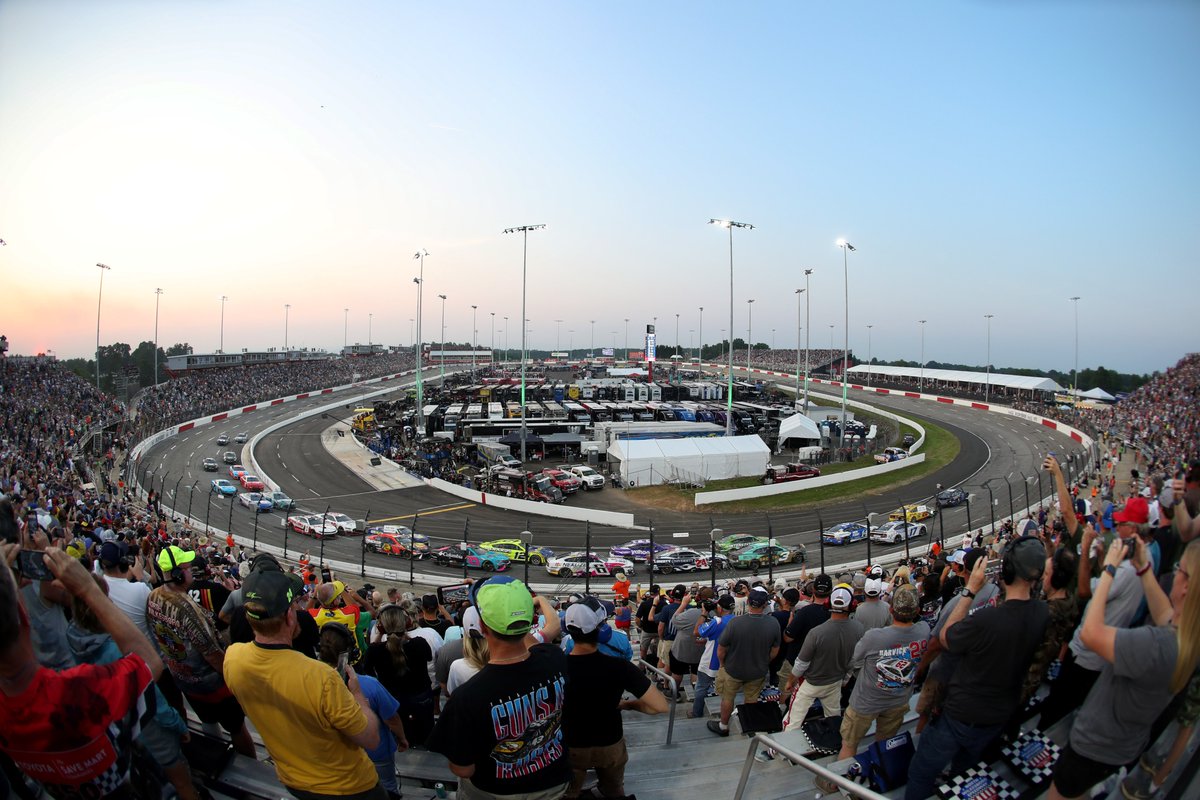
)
(904, 522)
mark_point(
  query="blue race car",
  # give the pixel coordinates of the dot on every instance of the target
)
(638, 549)
(223, 488)
(844, 533)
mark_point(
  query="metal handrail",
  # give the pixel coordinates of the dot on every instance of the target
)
(674, 691)
(843, 783)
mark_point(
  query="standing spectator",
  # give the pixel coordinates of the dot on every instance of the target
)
(805, 618)
(684, 657)
(666, 633)
(997, 645)
(708, 632)
(401, 663)
(90, 757)
(316, 726)
(646, 612)
(874, 611)
(475, 652)
(785, 604)
(522, 691)
(1144, 668)
(744, 651)
(337, 641)
(824, 661)
(592, 714)
(886, 660)
(191, 650)
(434, 615)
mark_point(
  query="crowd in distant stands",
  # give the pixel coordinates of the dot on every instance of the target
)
(196, 394)
(1161, 416)
(1088, 614)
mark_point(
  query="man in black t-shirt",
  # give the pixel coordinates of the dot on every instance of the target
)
(434, 615)
(646, 612)
(521, 691)
(592, 714)
(997, 645)
(805, 619)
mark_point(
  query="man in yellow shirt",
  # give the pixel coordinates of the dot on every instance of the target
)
(314, 722)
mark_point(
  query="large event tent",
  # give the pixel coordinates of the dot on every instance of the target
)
(1001, 380)
(798, 426)
(646, 462)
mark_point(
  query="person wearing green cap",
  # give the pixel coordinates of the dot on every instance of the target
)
(522, 690)
(191, 650)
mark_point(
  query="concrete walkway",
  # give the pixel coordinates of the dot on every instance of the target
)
(357, 458)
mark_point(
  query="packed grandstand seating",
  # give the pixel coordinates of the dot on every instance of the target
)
(46, 409)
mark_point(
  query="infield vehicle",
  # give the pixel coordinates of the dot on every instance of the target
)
(757, 555)
(845, 533)
(588, 476)
(891, 454)
(455, 555)
(223, 487)
(256, 501)
(781, 473)
(524, 485)
(516, 550)
(565, 482)
(896, 531)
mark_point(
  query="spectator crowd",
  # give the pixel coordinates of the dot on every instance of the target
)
(1082, 627)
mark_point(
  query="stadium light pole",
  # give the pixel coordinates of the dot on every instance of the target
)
(492, 357)
(442, 340)
(99, 297)
(558, 335)
(988, 367)
(627, 338)
(730, 225)
(157, 297)
(524, 231)
(921, 384)
(799, 297)
(869, 359)
(592, 354)
(370, 332)
(287, 307)
(506, 338)
(676, 334)
(474, 339)
(700, 331)
(223, 300)
(807, 333)
(847, 248)
(417, 343)
(1075, 369)
(345, 329)
(749, 334)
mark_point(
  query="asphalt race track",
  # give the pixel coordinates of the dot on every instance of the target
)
(995, 448)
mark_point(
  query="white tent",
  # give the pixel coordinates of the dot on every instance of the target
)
(647, 462)
(798, 426)
(1097, 394)
(1003, 379)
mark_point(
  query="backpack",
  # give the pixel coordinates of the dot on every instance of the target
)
(884, 765)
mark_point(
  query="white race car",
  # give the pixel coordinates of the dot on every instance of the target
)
(576, 563)
(311, 525)
(894, 531)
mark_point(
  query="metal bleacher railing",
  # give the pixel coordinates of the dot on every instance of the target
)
(671, 702)
(848, 786)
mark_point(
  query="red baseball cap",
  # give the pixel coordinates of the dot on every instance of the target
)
(1136, 510)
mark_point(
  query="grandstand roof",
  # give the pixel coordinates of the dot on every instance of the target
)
(1022, 382)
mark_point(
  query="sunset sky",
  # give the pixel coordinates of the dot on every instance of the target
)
(983, 158)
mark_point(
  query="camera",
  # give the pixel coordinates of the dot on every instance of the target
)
(710, 606)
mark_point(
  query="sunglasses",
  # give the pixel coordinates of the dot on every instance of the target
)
(1179, 568)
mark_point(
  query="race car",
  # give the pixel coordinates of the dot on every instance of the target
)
(637, 549)
(780, 473)
(913, 513)
(951, 497)
(894, 531)
(209, 465)
(311, 525)
(516, 549)
(844, 533)
(454, 555)
(223, 488)
(230, 457)
(223, 440)
(684, 559)
(565, 482)
(418, 543)
(891, 454)
(757, 555)
(280, 500)
(576, 563)
(736, 541)
(236, 471)
(252, 482)
(241, 438)
(390, 544)
(342, 523)
(256, 500)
